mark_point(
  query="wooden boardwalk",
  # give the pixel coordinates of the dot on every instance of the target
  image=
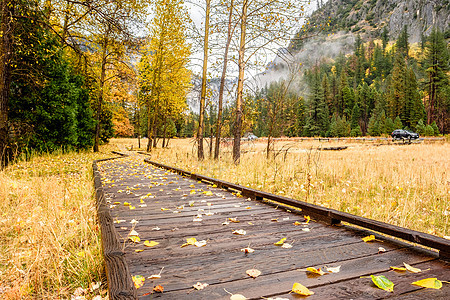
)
(169, 209)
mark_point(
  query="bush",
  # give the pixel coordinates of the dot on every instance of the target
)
(435, 128)
(429, 131)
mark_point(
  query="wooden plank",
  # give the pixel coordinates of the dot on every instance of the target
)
(280, 284)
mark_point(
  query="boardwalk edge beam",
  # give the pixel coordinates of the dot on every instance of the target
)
(324, 214)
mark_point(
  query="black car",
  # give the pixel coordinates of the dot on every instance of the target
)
(401, 134)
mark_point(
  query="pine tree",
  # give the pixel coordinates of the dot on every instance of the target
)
(436, 63)
(402, 43)
(316, 123)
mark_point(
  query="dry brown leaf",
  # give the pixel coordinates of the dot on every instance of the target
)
(253, 273)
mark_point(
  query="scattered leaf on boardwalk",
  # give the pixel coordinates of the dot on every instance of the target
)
(134, 238)
(138, 281)
(307, 219)
(134, 221)
(189, 241)
(240, 232)
(156, 276)
(191, 203)
(412, 269)
(368, 238)
(238, 297)
(253, 273)
(334, 269)
(200, 286)
(234, 220)
(138, 250)
(150, 243)
(133, 233)
(200, 243)
(430, 283)
(164, 209)
(306, 229)
(208, 193)
(315, 271)
(400, 269)
(158, 289)
(247, 250)
(296, 223)
(280, 242)
(119, 221)
(286, 246)
(301, 289)
(381, 250)
(126, 204)
(383, 283)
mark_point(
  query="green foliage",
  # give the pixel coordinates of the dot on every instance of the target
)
(49, 104)
(435, 128)
(420, 127)
(429, 131)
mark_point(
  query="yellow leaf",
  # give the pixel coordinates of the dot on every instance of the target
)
(297, 223)
(247, 250)
(400, 269)
(239, 232)
(138, 281)
(301, 289)
(307, 218)
(412, 269)
(430, 283)
(368, 238)
(164, 209)
(81, 254)
(189, 241)
(132, 207)
(193, 192)
(134, 238)
(138, 250)
(253, 273)
(238, 297)
(126, 204)
(314, 270)
(234, 220)
(150, 243)
(133, 232)
(280, 242)
(200, 243)
(208, 193)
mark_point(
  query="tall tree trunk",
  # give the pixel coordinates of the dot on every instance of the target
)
(100, 94)
(6, 27)
(200, 153)
(164, 132)
(222, 85)
(240, 87)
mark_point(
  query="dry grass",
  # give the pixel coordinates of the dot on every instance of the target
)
(49, 238)
(405, 185)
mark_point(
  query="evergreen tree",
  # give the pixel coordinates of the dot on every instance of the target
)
(398, 123)
(402, 43)
(435, 128)
(436, 63)
(385, 37)
(316, 123)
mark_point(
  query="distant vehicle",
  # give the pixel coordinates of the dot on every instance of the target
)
(250, 137)
(401, 134)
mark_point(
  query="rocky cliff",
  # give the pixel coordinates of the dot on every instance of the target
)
(369, 17)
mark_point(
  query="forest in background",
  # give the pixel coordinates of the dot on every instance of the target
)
(75, 74)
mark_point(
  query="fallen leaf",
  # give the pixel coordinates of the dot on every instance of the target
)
(250, 223)
(156, 276)
(200, 243)
(306, 229)
(253, 273)
(131, 207)
(200, 286)
(164, 209)
(133, 233)
(119, 221)
(301, 289)
(430, 283)
(134, 238)
(138, 250)
(150, 244)
(286, 246)
(191, 203)
(296, 223)
(158, 289)
(412, 269)
(400, 269)
(208, 193)
(280, 242)
(383, 283)
(156, 228)
(126, 204)
(334, 270)
(134, 221)
(247, 250)
(238, 297)
(138, 281)
(307, 218)
(189, 241)
(274, 220)
(381, 250)
(315, 271)
(368, 238)
(240, 232)
(226, 222)
(234, 220)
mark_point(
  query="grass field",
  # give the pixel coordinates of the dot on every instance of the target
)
(49, 238)
(401, 184)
